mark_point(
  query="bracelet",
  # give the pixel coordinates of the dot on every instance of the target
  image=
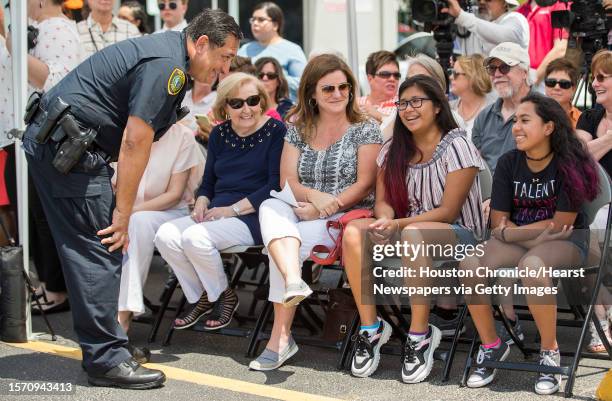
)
(502, 235)
(398, 227)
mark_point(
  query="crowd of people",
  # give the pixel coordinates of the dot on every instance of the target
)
(404, 148)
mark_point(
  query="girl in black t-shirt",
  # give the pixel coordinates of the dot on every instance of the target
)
(538, 191)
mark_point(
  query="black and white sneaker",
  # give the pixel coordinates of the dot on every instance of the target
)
(483, 376)
(418, 356)
(367, 350)
(505, 335)
(548, 383)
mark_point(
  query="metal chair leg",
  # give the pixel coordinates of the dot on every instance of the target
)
(451, 352)
(260, 325)
(468, 361)
(167, 296)
(171, 329)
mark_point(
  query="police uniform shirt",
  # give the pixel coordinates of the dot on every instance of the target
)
(143, 77)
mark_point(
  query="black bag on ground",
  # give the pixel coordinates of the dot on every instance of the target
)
(12, 296)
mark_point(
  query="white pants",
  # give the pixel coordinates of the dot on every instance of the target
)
(192, 250)
(277, 220)
(137, 260)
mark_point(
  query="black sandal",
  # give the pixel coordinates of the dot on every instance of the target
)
(202, 308)
(227, 306)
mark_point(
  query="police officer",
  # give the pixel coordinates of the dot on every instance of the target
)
(111, 107)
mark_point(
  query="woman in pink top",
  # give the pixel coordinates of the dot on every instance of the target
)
(176, 166)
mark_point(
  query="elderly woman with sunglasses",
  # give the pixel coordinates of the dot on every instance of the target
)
(242, 166)
(329, 161)
(267, 23)
(271, 74)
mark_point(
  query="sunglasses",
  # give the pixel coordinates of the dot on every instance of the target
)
(259, 20)
(503, 68)
(237, 103)
(389, 74)
(600, 77)
(270, 75)
(415, 103)
(172, 6)
(455, 74)
(563, 83)
(344, 88)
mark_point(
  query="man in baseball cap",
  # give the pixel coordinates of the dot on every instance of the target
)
(508, 67)
(503, 24)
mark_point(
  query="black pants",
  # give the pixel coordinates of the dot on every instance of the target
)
(77, 205)
(42, 245)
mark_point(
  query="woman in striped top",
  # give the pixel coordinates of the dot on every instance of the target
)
(427, 191)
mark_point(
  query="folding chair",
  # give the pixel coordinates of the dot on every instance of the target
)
(304, 314)
(250, 258)
(590, 210)
(485, 182)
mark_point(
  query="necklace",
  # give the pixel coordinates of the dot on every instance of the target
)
(461, 109)
(538, 159)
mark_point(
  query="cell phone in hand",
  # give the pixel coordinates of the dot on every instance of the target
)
(203, 119)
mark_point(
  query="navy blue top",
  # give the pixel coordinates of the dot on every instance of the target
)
(144, 77)
(243, 167)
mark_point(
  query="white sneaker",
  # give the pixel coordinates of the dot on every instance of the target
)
(546, 383)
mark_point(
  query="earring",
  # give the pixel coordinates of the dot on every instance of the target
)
(350, 96)
(312, 102)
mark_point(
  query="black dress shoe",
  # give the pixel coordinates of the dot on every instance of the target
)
(141, 355)
(128, 375)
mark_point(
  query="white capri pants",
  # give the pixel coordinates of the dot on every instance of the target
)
(277, 220)
(137, 261)
(192, 250)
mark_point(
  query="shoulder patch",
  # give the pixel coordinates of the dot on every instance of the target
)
(176, 82)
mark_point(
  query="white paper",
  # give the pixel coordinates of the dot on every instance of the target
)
(286, 195)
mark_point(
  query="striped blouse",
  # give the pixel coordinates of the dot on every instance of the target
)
(426, 181)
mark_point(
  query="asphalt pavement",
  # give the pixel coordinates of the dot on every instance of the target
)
(207, 366)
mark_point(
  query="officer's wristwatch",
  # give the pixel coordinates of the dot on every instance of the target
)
(236, 209)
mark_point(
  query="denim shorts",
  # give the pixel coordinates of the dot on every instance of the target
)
(464, 236)
(582, 239)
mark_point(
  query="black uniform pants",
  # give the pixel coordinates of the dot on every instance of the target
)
(77, 205)
(42, 245)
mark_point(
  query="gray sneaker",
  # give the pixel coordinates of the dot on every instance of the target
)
(483, 376)
(270, 360)
(296, 293)
(548, 383)
(505, 336)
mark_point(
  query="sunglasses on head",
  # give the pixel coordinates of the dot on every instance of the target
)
(600, 77)
(172, 6)
(237, 103)
(388, 74)
(270, 75)
(330, 89)
(503, 68)
(563, 83)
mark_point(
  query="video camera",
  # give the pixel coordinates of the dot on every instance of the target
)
(586, 21)
(430, 11)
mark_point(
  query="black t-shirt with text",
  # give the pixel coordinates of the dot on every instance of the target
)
(530, 197)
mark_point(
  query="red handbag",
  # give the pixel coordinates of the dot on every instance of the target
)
(336, 253)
